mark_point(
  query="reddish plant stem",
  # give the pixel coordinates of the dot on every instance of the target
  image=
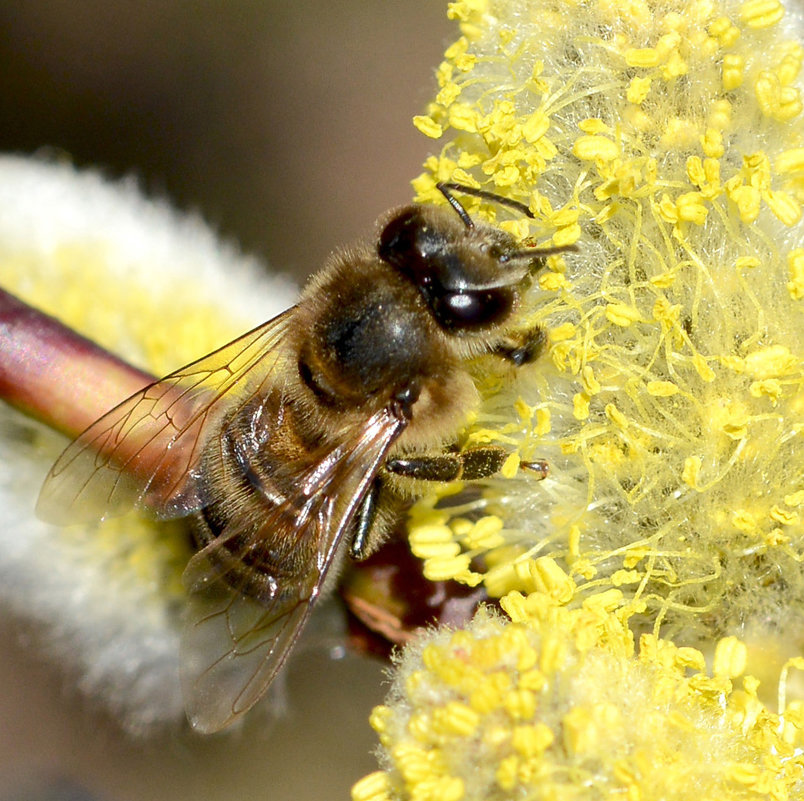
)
(54, 374)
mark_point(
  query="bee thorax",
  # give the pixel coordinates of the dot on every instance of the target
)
(365, 342)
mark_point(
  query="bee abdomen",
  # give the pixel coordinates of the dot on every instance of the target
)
(253, 523)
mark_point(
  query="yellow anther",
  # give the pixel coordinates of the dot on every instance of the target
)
(448, 94)
(733, 66)
(638, 89)
(784, 206)
(535, 126)
(748, 200)
(644, 57)
(712, 144)
(463, 118)
(562, 332)
(486, 532)
(580, 406)
(702, 368)
(622, 314)
(595, 148)
(775, 100)
(594, 125)
(784, 516)
(795, 498)
(761, 13)
(616, 416)
(795, 264)
(374, 787)
(770, 362)
(456, 719)
(447, 567)
(692, 208)
(544, 422)
(691, 471)
(730, 659)
(743, 773)
(769, 387)
(791, 161)
(744, 521)
(590, 384)
(549, 578)
(531, 741)
(428, 126)
(661, 389)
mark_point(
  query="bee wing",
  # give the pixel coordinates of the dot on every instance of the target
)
(145, 453)
(235, 643)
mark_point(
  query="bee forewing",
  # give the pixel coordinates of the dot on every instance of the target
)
(146, 452)
(235, 641)
(232, 648)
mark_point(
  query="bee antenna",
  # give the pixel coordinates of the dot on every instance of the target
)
(455, 203)
(447, 187)
(540, 253)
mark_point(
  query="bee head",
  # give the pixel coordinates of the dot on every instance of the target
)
(468, 274)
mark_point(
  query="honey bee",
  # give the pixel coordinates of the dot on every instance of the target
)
(299, 441)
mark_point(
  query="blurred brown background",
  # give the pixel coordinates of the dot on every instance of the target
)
(287, 125)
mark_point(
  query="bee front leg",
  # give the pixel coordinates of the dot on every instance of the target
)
(471, 464)
(523, 347)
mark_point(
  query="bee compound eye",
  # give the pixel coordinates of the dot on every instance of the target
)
(455, 310)
(399, 240)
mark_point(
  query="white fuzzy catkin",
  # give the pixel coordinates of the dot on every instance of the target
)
(160, 289)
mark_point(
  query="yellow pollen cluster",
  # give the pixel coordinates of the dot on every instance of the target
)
(665, 140)
(555, 700)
